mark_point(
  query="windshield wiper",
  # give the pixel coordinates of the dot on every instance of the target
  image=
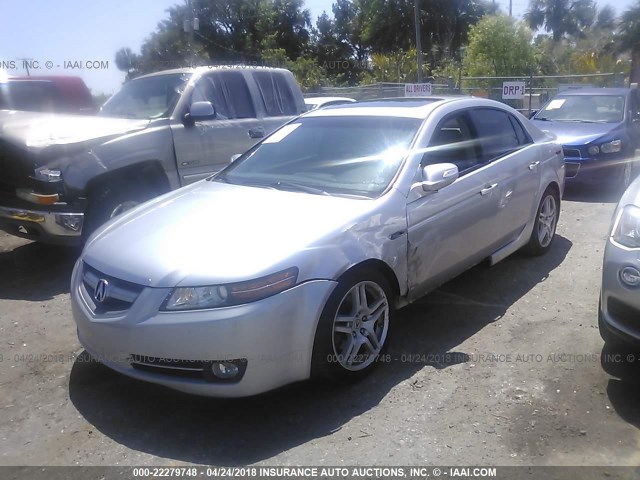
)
(544, 119)
(299, 187)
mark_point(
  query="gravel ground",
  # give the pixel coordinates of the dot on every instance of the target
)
(501, 366)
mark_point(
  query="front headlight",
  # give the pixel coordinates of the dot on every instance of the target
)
(197, 298)
(611, 147)
(627, 230)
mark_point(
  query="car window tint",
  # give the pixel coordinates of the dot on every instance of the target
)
(212, 89)
(521, 133)
(453, 142)
(276, 94)
(495, 131)
(239, 97)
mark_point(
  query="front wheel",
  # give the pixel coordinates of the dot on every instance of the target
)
(109, 201)
(354, 327)
(544, 228)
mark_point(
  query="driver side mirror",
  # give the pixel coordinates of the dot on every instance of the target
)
(533, 114)
(438, 176)
(200, 111)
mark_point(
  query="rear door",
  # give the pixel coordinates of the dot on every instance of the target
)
(206, 147)
(515, 160)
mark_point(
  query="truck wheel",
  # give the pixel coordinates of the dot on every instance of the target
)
(108, 201)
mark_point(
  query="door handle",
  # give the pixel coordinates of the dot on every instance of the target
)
(488, 188)
(533, 165)
(256, 133)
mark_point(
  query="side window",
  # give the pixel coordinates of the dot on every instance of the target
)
(211, 89)
(495, 132)
(239, 97)
(276, 94)
(453, 142)
(521, 133)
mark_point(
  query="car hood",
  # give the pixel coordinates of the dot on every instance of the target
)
(213, 233)
(576, 133)
(37, 131)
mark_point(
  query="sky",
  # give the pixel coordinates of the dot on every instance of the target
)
(65, 37)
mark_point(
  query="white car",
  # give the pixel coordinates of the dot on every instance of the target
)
(619, 313)
(313, 103)
(291, 262)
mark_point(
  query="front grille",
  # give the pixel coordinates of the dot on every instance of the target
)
(194, 369)
(571, 153)
(624, 315)
(14, 168)
(120, 294)
(571, 169)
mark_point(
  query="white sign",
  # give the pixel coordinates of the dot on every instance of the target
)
(417, 89)
(512, 90)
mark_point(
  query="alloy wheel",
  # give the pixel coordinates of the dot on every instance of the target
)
(360, 326)
(547, 221)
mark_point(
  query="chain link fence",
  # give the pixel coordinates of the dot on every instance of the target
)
(538, 88)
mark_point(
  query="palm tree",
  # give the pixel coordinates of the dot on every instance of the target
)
(630, 38)
(561, 16)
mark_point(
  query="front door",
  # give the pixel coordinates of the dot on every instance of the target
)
(450, 230)
(206, 147)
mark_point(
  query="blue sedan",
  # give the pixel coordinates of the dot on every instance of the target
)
(599, 129)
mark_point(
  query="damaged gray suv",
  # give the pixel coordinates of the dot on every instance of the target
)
(62, 176)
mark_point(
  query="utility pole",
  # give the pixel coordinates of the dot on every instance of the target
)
(416, 13)
(511, 8)
(190, 26)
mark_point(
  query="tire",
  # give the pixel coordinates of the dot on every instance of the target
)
(335, 355)
(544, 228)
(110, 200)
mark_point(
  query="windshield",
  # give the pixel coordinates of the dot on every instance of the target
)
(328, 155)
(151, 97)
(584, 108)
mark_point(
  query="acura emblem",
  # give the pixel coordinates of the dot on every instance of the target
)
(102, 288)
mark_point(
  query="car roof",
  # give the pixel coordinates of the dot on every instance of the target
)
(328, 99)
(200, 70)
(412, 107)
(596, 91)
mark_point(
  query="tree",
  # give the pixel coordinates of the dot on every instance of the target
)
(127, 61)
(561, 17)
(499, 46)
(630, 39)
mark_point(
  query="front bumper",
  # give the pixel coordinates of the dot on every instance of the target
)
(592, 170)
(55, 227)
(274, 335)
(620, 304)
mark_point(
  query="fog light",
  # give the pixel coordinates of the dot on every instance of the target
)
(630, 276)
(594, 150)
(225, 370)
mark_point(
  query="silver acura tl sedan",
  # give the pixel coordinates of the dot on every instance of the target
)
(619, 315)
(291, 262)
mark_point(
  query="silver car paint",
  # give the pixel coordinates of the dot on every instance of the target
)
(220, 233)
(615, 257)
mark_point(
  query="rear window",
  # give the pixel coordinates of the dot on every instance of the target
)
(276, 94)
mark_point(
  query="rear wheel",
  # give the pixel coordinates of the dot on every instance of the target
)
(544, 228)
(354, 327)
